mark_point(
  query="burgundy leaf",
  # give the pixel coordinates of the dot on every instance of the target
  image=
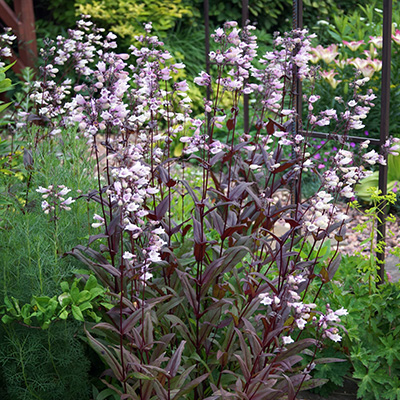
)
(239, 189)
(215, 158)
(103, 352)
(112, 226)
(210, 273)
(291, 392)
(284, 167)
(270, 127)
(188, 290)
(162, 208)
(93, 238)
(231, 230)
(190, 386)
(198, 232)
(333, 266)
(171, 183)
(230, 124)
(175, 360)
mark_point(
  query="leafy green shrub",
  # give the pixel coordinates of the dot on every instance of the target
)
(363, 189)
(373, 333)
(371, 344)
(126, 17)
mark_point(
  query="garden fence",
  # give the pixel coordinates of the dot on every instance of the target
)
(297, 89)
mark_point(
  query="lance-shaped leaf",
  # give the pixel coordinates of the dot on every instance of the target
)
(188, 388)
(160, 210)
(188, 290)
(175, 360)
(105, 353)
(333, 266)
(238, 190)
(296, 348)
(200, 240)
(211, 272)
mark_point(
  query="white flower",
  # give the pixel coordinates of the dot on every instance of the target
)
(146, 276)
(333, 335)
(151, 190)
(42, 190)
(131, 227)
(68, 201)
(312, 227)
(265, 299)
(277, 300)
(154, 256)
(127, 255)
(301, 323)
(341, 311)
(287, 340)
(159, 231)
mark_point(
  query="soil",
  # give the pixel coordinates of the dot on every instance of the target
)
(353, 242)
(348, 392)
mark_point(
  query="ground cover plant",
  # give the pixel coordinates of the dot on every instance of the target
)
(187, 288)
(371, 343)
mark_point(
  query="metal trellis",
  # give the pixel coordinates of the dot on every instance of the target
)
(385, 99)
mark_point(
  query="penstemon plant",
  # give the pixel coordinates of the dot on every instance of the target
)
(208, 296)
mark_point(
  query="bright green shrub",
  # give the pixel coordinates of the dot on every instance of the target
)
(126, 17)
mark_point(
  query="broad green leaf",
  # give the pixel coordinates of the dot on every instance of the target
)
(77, 313)
(64, 315)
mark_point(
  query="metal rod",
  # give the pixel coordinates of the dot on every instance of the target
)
(207, 41)
(355, 139)
(297, 91)
(384, 132)
(245, 17)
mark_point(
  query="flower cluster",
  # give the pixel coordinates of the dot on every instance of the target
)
(304, 312)
(331, 318)
(367, 66)
(54, 199)
(6, 41)
(130, 190)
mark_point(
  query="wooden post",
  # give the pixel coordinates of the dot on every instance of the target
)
(22, 23)
(27, 35)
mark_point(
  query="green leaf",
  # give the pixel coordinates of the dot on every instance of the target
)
(41, 302)
(91, 283)
(85, 306)
(75, 293)
(6, 319)
(64, 299)
(83, 296)
(4, 106)
(77, 313)
(141, 376)
(97, 291)
(63, 315)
